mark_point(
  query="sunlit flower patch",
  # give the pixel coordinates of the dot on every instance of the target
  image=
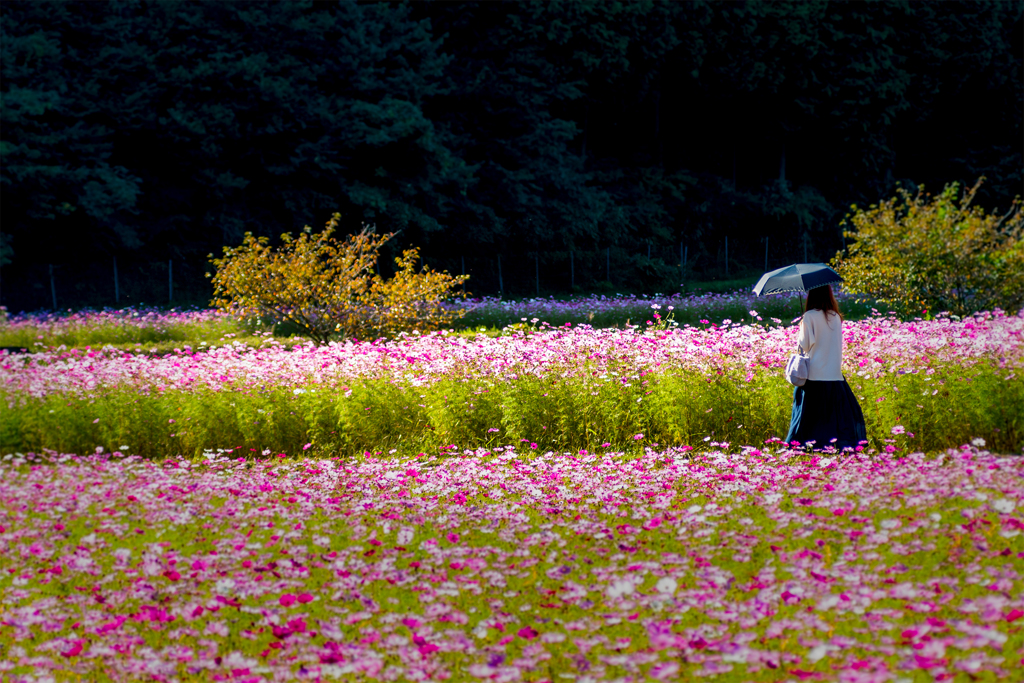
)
(875, 346)
(508, 565)
(46, 329)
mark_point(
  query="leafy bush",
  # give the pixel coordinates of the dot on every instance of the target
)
(917, 252)
(327, 287)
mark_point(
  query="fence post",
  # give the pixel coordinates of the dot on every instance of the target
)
(170, 280)
(536, 270)
(117, 290)
(501, 283)
(608, 264)
(572, 270)
(53, 288)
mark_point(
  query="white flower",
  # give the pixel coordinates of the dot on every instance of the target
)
(666, 586)
(620, 588)
(979, 442)
(1003, 505)
(818, 652)
(898, 429)
(754, 313)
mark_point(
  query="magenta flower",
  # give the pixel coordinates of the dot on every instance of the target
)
(527, 632)
(287, 600)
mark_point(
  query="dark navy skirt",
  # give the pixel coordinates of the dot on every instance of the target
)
(823, 411)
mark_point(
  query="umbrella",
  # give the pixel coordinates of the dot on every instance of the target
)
(798, 277)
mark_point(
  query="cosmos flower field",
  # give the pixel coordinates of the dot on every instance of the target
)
(735, 564)
(551, 503)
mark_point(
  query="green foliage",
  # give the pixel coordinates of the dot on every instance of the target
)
(326, 287)
(940, 253)
(496, 127)
(668, 408)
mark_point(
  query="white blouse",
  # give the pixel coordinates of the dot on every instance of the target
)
(821, 340)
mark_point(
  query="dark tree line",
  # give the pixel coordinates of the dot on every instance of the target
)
(149, 131)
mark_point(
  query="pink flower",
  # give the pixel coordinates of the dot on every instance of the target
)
(287, 600)
(425, 648)
(307, 446)
(527, 632)
(452, 537)
(304, 598)
(1014, 615)
(638, 437)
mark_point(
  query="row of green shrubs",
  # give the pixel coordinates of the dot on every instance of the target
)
(553, 413)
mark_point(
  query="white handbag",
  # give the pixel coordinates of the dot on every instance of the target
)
(796, 370)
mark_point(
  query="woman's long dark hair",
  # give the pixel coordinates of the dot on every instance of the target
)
(824, 300)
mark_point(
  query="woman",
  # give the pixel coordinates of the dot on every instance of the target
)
(825, 410)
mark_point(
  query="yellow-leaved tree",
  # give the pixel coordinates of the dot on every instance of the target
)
(330, 288)
(916, 252)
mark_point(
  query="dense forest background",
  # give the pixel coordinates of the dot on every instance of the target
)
(536, 145)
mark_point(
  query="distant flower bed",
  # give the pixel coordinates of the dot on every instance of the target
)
(501, 565)
(600, 310)
(111, 326)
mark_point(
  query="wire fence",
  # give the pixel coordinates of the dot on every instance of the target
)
(635, 268)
